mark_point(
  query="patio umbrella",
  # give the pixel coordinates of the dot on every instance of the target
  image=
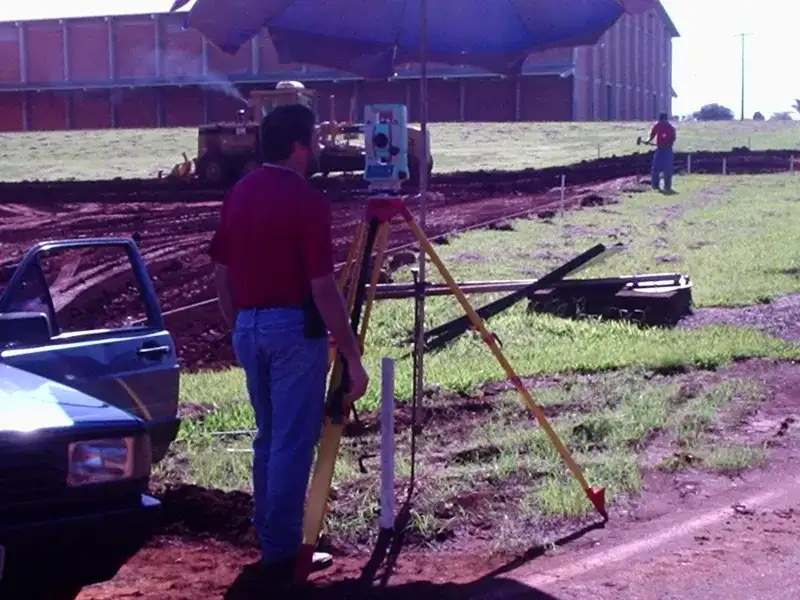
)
(370, 37)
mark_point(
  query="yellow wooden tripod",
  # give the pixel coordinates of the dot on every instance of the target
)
(367, 252)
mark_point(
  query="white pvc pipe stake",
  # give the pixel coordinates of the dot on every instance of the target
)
(791, 164)
(563, 191)
(387, 444)
(724, 166)
(688, 164)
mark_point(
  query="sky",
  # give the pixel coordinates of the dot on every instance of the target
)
(706, 58)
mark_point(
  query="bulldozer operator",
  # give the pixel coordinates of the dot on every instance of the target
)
(664, 134)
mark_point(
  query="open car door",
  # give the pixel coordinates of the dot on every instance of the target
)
(84, 313)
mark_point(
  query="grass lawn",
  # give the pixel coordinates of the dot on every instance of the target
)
(107, 154)
(606, 385)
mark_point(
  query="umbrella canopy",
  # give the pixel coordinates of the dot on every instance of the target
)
(370, 38)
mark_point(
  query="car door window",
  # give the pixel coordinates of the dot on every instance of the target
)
(30, 294)
(87, 289)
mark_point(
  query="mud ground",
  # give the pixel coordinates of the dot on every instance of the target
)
(205, 553)
(173, 238)
(188, 562)
(174, 235)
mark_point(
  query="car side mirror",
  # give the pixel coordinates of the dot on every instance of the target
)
(24, 329)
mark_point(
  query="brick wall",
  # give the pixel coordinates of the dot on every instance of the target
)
(627, 75)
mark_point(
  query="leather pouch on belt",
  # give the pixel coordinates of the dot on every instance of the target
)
(313, 325)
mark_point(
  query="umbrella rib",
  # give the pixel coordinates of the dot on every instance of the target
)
(521, 20)
(399, 27)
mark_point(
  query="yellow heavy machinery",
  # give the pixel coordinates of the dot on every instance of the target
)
(226, 151)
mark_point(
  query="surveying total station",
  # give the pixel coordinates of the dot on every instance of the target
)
(386, 146)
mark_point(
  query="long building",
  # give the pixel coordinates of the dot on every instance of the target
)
(150, 70)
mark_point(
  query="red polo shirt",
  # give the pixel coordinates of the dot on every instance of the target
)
(664, 133)
(274, 237)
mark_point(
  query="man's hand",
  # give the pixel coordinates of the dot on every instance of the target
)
(359, 380)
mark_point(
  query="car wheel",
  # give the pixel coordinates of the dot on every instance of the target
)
(210, 169)
(212, 172)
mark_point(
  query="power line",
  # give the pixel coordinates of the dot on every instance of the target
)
(742, 36)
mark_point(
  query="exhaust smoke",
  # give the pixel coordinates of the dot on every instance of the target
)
(179, 67)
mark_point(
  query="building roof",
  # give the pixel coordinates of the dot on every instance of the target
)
(673, 30)
(21, 12)
(306, 74)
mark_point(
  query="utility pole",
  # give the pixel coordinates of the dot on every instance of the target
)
(742, 36)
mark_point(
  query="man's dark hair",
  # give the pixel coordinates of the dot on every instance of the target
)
(663, 117)
(284, 126)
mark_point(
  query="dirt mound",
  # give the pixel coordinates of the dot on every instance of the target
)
(193, 511)
(341, 189)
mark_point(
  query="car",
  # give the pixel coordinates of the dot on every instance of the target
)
(73, 478)
(89, 384)
(84, 313)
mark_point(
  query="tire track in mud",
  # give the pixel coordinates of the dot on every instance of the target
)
(173, 240)
(182, 276)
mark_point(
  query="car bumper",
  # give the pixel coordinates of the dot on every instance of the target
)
(76, 550)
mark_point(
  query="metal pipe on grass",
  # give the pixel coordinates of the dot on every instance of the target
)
(387, 445)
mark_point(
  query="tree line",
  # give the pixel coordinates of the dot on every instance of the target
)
(719, 112)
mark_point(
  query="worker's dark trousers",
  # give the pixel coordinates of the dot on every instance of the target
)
(662, 163)
(286, 376)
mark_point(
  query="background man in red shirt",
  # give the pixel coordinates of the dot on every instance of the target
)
(274, 277)
(664, 134)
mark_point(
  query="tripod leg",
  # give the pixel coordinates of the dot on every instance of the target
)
(333, 425)
(352, 254)
(361, 254)
(348, 280)
(596, 497)
(381, 242)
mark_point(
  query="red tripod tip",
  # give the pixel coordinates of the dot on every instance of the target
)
(598, 499)
(304, 562)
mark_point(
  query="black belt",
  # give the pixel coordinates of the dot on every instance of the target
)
(274, 307)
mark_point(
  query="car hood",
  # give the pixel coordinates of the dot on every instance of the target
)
(29, 402)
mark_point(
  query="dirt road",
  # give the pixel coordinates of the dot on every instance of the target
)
(746, 552)
(741, 551)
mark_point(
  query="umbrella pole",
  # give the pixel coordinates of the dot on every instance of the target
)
(419, 317)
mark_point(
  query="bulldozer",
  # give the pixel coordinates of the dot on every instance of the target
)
(227, 151)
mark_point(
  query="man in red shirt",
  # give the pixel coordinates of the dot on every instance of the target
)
(274, 275)
(664, 134)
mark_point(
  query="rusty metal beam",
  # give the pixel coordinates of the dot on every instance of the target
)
(399, 291)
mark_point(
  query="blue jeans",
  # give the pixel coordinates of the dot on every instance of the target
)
(286, 376)
(662, 163)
